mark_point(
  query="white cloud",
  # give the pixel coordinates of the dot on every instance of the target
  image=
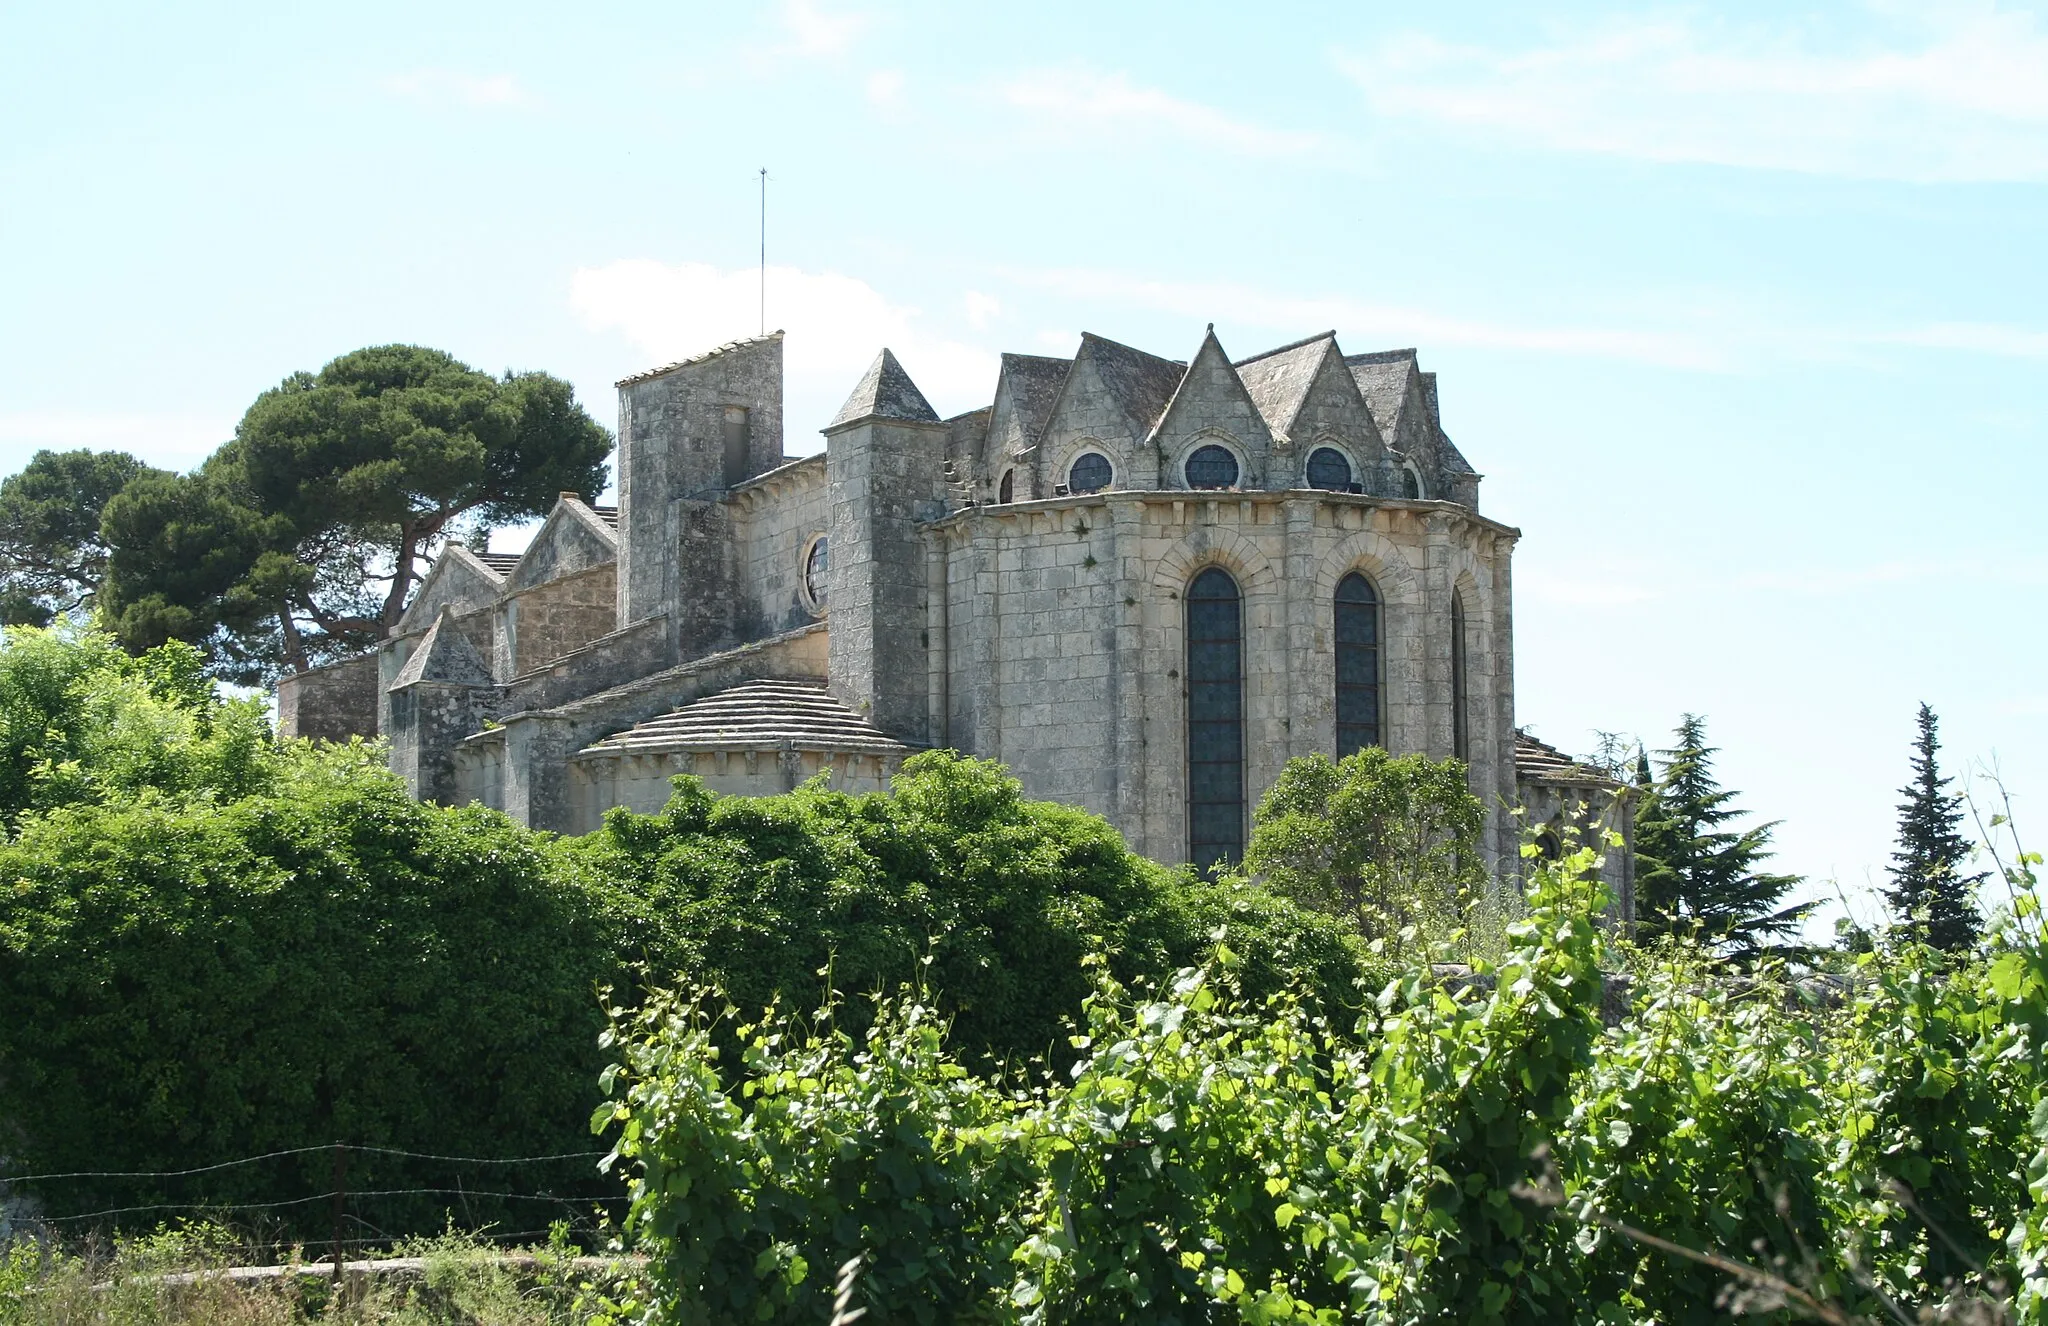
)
(1963, 96)
(444, 86)
(836, 325)
(174, 442)
(885, 87)
(1363, 323)
(819, 31)
(981, 308)
(1987, 338)
(1111, 103)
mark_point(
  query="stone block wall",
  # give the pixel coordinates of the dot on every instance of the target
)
(560, 616)
(641, 782)
(1064, 651)
(332, 703)
(774, 521)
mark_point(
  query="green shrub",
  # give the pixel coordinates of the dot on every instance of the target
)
(327, 960)
(953, 881)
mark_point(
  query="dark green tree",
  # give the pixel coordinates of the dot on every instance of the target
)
(1930, 890)
(52, 555)
(350, 479)
(1697, 878)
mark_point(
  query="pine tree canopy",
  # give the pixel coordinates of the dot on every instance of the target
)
(1931, 893)
(1696, 875)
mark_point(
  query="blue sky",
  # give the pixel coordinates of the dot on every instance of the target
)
(1740, 309)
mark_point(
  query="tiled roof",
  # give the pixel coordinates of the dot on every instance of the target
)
(609, 515)
(755, 715)
(1539, 761)
(1278, 380)
(1034, 382)
(500, 563)
(712, 353)
(1142, 384)
(1383, 380)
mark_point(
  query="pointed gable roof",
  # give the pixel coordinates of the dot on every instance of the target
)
(574, 537)
(1211, 385)
(1279, 380)
(1141, 384)
(445, 655)
(1033, 383)
(459, 576)
(1385, 379)
(885, 392)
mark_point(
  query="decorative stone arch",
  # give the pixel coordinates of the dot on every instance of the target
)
(1214, 545)
(1359, 471)
(1403, 642)
(1176, 475)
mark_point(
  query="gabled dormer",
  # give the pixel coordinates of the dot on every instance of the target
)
(1393, 389)
(1323, 432)
(1106, 406)
(1026, 391)
(1212, 416)
(458, 579)
(575, 537)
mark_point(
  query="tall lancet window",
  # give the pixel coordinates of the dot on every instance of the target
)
(1461, 724)
(1358, 665)
(1215, 688)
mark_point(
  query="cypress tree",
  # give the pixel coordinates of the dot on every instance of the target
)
(1697, 878)
(1929, 891)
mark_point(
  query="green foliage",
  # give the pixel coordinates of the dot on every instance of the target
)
(1932, 892)
(302, 538)
(52, 555)
(81, 722)
(1482, 1152)
(1384, 842)
(1002, 897)
(186, 981)
(1695, 878)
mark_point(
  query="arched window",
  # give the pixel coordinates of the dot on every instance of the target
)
(1358, 665)
(1328, 469)
(1215, 689)
(1089, 474)
(815, 563)
(1411, 483)
(1461, 737)
(1008, 490)
(1211, 467)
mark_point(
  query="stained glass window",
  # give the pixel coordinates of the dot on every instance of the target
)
(1215, 690)
(1089, 474)
(1211, 467)
(1328, 469)
(1461, 740)
(1358, 665)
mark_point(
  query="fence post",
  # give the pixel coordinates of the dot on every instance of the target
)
(340, 1201)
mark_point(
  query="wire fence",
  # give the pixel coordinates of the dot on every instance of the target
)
(349, 1209)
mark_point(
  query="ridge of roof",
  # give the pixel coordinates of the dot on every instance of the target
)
(1330, 335)
(885, 391)
(712, 353)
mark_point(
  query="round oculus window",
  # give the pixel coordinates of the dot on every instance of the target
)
(815, 566)
(1090, 473)
(1211, 467)
(1328, 469)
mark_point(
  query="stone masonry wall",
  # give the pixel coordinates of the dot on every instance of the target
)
(333, 703)
(552, 619)
(774, 522)
(1070, 672)
(641, 783)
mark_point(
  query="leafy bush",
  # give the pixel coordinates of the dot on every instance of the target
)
(954, 882)
(1485, 1152)
(324, 960)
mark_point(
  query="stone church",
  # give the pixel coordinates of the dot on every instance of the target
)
(1143, 584)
